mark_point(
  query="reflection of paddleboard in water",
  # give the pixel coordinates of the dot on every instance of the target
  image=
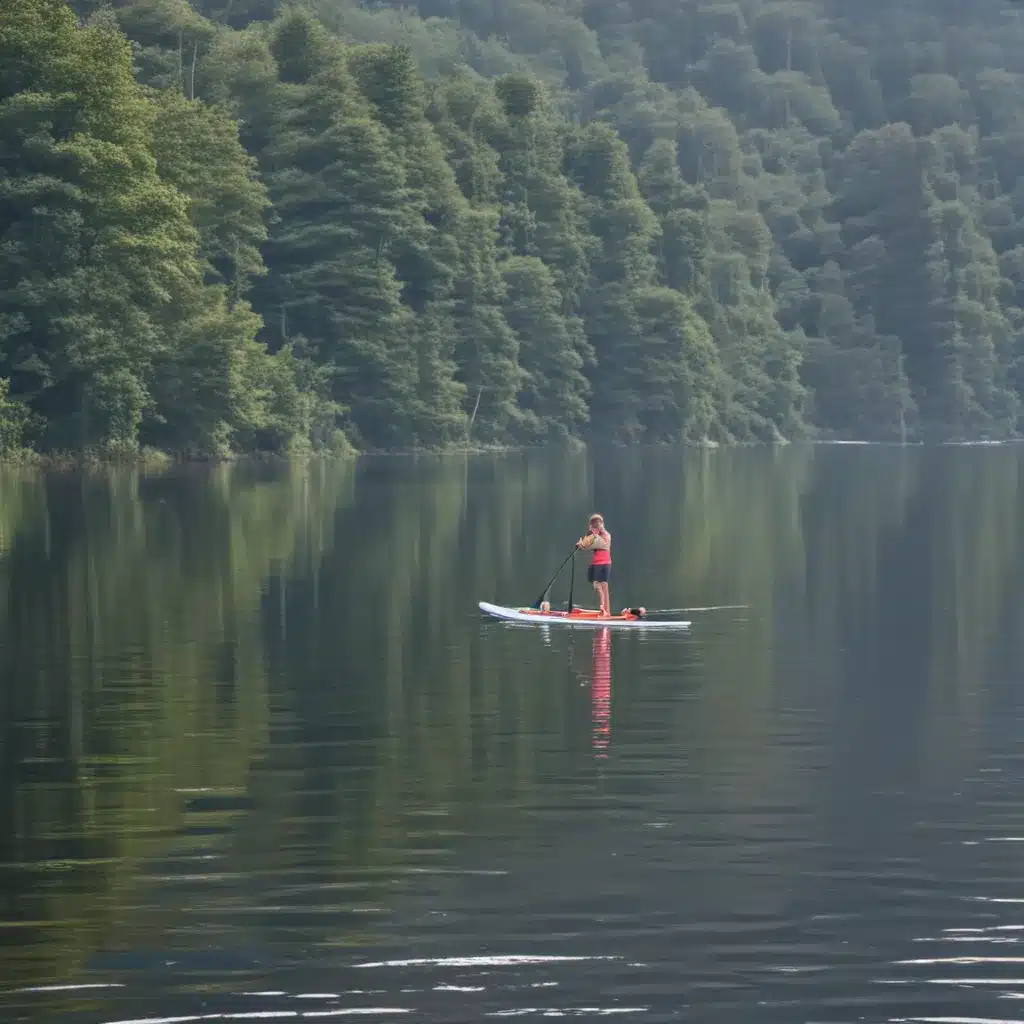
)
(601, 690)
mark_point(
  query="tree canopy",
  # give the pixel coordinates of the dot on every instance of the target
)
(254, 225)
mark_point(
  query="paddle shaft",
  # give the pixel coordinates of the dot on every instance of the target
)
(544, 595)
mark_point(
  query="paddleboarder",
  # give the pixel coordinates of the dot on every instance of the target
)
(599, 572)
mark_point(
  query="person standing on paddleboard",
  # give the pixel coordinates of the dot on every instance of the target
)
(599, 573)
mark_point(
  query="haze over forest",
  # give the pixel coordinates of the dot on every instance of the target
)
(244, 225)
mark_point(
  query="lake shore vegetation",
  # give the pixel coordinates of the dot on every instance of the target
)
(231, 227)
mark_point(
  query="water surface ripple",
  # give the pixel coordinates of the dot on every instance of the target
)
(261, 759)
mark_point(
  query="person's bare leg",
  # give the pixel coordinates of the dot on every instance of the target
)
(606, 604)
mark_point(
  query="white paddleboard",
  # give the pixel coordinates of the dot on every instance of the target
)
(538, 618)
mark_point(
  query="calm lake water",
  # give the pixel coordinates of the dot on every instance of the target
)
(261, 758)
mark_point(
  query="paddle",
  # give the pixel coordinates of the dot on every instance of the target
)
(544, 596)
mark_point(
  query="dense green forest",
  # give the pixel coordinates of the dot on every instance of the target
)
(246, 225)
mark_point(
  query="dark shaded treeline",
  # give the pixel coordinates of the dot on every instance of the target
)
(250, 226)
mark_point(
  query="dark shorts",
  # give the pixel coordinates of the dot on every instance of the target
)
(599, 574)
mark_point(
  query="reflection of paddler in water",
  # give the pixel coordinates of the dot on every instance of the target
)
(601, 690)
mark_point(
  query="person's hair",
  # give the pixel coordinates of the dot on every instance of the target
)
(595, 518)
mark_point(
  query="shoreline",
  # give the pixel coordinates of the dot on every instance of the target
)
(152, 459)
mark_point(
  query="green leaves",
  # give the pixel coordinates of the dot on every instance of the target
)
(114, 205)
(12, 422)
(198, 151)
(553, 351)
(100, 249)
(698, 221)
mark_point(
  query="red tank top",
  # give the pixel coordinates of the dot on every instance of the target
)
(602, 556)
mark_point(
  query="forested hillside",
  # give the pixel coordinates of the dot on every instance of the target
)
(244, 225)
